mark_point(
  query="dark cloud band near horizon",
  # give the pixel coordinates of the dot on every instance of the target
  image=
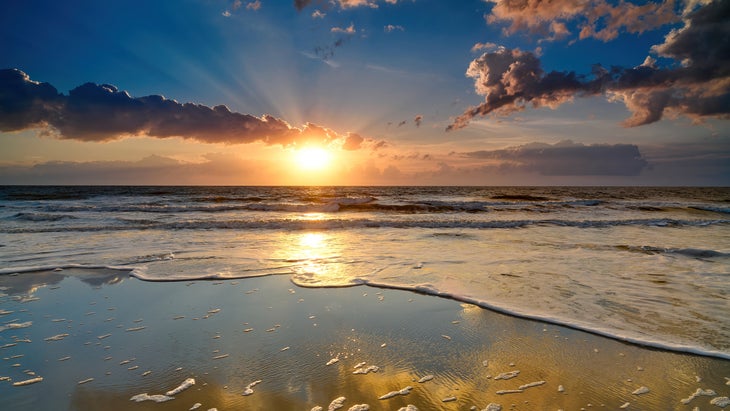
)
(696, 85)
(93, 112)
(567, 158)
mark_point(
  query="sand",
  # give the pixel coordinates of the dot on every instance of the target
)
(221, 345)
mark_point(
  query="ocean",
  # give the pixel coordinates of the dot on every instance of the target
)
(644, 265)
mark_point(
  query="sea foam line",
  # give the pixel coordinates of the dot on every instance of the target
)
(140, 273)
(574, 324)
(338, 224)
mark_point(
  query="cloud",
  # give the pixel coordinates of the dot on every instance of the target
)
(254, 5)
(699, 87)
(348, 30)
(598, 19)
(93, 112)
(218, 168)
(484, 47)
(418, 119)
(301, 4)
(344, 4)
(391, 28)
(318, 14)
(353, 142)
(237, 5)
(567, 158)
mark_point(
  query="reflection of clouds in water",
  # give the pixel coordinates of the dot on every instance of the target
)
(24, 285)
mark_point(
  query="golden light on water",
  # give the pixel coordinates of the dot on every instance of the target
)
(310, 242)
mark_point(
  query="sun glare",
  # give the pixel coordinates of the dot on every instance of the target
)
(312, 158)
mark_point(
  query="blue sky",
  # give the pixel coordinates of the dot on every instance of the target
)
(375, 82)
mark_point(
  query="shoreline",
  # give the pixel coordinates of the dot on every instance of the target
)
(138, 273)
(228, 334)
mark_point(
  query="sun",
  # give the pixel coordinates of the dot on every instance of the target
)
(312, 158)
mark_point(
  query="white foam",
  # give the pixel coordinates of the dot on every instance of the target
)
(15, 326)
(493, 407)
(640, 391)
(502, 392)
(365, 370)
(507, 375)
(28, 381)
(359, 407)
(146, 397)
(721, 402)
(133, 329)
(189, 382)
(404, 391)
(409, 407)
(697, 393)
(532, 384)
(425, 378)
(57, 337)
(336, 404)
(249, 388)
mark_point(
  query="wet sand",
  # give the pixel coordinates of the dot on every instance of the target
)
(94, 339)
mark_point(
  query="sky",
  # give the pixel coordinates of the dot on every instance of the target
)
(365, 92)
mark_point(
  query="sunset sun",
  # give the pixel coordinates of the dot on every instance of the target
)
(312, 158)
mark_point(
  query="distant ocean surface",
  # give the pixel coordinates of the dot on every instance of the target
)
(647, 265)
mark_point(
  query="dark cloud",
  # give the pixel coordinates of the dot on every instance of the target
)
(93, 112)
(301, 4)
(568, 159)
(418, 120)
(158, 170)
(699, 87)
(343, 36)
(25, 103)
(344, 4)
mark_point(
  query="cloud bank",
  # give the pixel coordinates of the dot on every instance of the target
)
(567, 158)
(595, 18)
(698, 86)
(93, 112)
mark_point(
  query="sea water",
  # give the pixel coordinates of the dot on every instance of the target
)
(646, 265)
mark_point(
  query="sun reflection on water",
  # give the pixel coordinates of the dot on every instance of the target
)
(318, 259)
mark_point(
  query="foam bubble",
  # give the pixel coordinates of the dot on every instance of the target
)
(404, 391)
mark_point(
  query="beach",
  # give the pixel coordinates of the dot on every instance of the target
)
(99, 338)
(528, 298)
